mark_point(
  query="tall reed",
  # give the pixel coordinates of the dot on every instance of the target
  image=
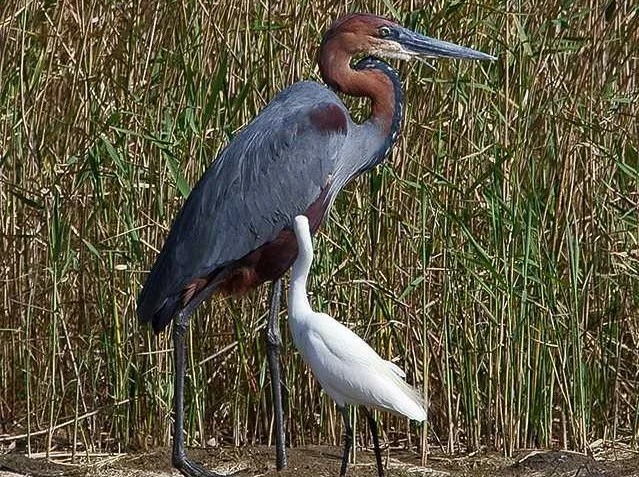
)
(494, 257)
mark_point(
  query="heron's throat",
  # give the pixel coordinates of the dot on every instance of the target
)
(371, 78)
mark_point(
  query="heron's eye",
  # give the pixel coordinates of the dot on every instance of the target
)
(384, 32)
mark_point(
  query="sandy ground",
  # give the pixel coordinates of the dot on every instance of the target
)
(325, 461)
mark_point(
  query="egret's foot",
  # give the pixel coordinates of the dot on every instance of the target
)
(348, 439)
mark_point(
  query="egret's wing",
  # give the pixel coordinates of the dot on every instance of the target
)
(396, 369)
(273, 170)
(352, 372)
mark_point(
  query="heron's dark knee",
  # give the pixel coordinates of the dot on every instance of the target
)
(180, 324)
(273, 338)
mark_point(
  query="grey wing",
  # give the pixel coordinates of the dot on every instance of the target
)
(272, 171)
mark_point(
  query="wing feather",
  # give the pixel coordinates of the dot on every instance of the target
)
(352, 372)
(273, 170)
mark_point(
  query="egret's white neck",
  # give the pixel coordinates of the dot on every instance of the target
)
(297, 297)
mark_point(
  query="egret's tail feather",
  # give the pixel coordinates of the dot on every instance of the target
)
(396, 369)
(415, 407)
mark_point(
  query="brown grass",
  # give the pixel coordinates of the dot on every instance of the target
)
(496, 256)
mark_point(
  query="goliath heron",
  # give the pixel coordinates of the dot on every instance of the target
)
(349, 370)
(233, 233)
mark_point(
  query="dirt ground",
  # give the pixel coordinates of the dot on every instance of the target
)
(317, 461)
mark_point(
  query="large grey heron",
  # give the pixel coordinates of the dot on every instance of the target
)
(234, 232)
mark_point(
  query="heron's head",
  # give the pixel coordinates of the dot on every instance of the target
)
(366, 34)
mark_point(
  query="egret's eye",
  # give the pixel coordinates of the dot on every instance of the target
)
(384, 32)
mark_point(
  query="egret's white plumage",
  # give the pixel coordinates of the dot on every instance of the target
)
(348, 369)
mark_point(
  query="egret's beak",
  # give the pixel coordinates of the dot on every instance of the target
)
(423, 47)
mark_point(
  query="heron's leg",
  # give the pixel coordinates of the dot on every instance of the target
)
(180, 460)
(273, 343)
(378, 455)
(348, 438)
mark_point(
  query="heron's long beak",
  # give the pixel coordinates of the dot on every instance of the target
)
(423, 47)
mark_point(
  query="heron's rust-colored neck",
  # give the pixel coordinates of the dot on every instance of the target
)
(335, 67)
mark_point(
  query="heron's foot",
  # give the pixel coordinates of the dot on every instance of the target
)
(190, 468)
(280, 457)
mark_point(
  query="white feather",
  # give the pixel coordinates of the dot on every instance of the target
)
(348, 369)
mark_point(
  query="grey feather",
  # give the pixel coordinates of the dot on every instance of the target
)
(271, 172)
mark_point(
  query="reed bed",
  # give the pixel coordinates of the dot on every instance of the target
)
(495, 256)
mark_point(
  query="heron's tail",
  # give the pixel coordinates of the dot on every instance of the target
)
(185, 301)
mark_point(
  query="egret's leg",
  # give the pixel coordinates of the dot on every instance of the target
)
(273, 343)
(378, 455)
(348, 439)
(180, 460)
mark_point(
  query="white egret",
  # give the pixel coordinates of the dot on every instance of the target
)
(348, 369)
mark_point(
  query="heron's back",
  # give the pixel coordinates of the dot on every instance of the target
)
(274, 169)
